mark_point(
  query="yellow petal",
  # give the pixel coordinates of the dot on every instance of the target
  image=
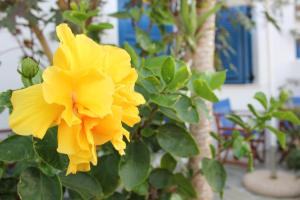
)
(94, 92)
(62, 57)
(32, 115)
(65, 35)
(77, 165)
(117, 63)
(107, 127)
(66, 56)
(131, 115)
(67, 138)
(90, 54)
(118, 141)
(81, 161)
(119, 145)
(130, 97)
(58, 88)
(130, 79)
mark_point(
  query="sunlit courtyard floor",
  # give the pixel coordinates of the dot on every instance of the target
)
(235, 190)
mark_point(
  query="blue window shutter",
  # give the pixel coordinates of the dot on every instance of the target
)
(240, 41)
(126, 29)
(297, 48)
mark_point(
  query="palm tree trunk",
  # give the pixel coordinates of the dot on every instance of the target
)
(203, 60)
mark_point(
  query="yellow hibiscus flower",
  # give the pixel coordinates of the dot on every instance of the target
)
(88, 92)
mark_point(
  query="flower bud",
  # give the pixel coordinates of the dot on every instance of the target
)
(29, 68)
(284, 95)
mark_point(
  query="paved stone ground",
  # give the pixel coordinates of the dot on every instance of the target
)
(234, 189)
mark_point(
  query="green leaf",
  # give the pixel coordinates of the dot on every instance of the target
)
(151, 84)
(8, 185)
(35, 185)
(181, 77)
(170, 113)
(134, 166)
(121, 15)
(214, 173)
(262, 99)
(280, 136)
(160, 178)
(168, 70)
(74, 195)
(204, 17)
(84, 184)
(155, 64)
(216, 79)
(2, 169)
(74, 17)
(184, 185)
(9, 152)
(202, 89)
(5, 100)
(106, 172)
(47, 150)
(253, 110)
(166, 100)
(144, 40)
(272, 20)
(175, 196)
(212, 150)
(135, 13)
(147, 132)
(142, 189)
(176, 141)
(168, 162)
(99, 27)
(288, 116)
(117, 196)
(186, 111)
(240, 147)
(237, 120)
(133, 55)
(21, 166)
(185, 11)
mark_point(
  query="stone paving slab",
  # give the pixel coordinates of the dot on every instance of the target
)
(234, 189)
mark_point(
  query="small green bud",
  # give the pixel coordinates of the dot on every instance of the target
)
(29, 68)
(73, 6)
(284, 95)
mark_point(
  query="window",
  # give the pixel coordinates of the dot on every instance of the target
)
(127, 32)
(239, 61)
(298, 48)
(238, 64)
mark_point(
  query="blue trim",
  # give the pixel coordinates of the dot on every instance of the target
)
(126, 29)
(223, 107)
(241, 41)
(297, 48)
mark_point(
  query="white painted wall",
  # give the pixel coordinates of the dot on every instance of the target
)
(10, 79)
(274, 58)
(273, 54)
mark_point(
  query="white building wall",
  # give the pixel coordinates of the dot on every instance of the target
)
(274, 58)
(10, 79)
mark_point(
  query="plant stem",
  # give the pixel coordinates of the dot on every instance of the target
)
(40, 36)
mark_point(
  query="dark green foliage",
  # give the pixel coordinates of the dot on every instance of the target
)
(293, 159)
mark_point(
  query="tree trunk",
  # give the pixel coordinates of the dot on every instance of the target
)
(203, 60)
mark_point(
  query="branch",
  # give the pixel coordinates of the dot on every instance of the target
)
(62, 5)
(40, 36)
